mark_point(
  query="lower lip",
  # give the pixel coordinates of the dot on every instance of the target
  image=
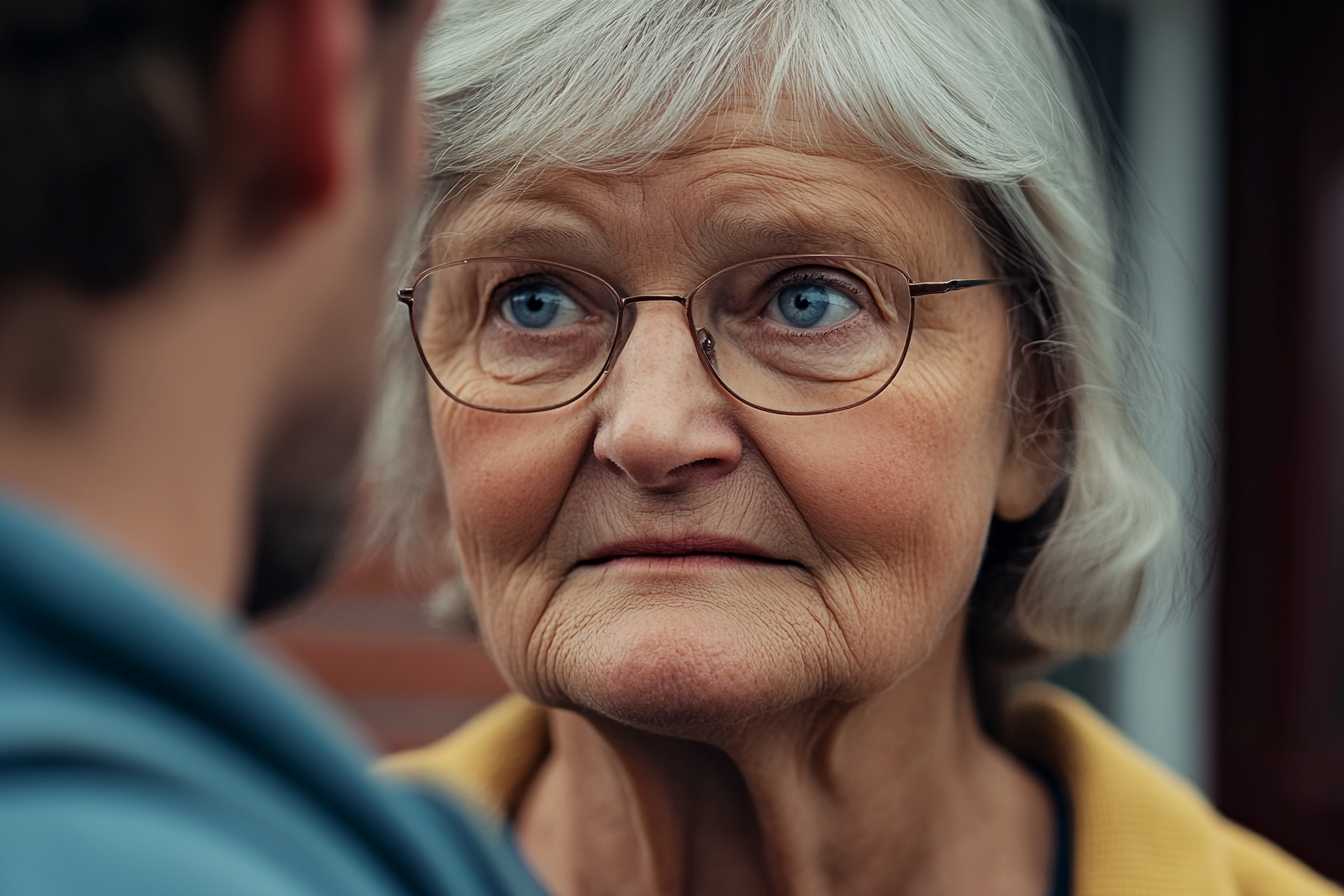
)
(666, 562)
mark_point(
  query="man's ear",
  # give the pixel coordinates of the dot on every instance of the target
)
(1029, 474)
(288, 76)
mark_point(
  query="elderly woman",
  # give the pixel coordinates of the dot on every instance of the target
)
(767, 354)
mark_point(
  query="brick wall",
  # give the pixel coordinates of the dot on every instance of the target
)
(367, 642)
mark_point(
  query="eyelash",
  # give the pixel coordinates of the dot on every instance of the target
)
(839, 283)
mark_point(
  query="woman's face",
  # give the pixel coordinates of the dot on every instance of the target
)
(662, 555)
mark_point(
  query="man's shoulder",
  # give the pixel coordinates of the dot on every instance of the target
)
(127, 725)
(73, 828)
(106, 788)
(99, 798)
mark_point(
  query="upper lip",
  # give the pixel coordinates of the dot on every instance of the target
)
(678, 546)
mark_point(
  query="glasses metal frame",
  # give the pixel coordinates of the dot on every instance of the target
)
(406, 296)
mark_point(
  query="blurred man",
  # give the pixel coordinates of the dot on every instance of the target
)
(196, 199)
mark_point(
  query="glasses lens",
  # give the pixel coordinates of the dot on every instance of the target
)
(513, 334)
(804, 334)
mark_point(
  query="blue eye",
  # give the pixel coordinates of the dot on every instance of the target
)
(537, 305)
(810, 304)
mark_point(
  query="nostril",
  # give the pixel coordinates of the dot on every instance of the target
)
(704, 463)
(666, 451)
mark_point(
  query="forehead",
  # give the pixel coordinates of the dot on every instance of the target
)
(735, 190)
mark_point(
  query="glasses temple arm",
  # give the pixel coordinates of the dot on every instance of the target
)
(933, 289)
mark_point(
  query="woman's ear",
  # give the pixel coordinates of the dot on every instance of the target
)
(1029, 474)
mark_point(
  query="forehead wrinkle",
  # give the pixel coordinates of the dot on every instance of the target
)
(555, 211)
(586, 220)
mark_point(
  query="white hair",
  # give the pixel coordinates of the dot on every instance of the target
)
(981, 91)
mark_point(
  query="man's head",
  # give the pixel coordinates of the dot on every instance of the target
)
(196, 199)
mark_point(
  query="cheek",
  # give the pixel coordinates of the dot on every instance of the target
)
(898, 495)
(505, 478)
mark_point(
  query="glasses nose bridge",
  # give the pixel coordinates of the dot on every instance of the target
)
(627, 322)
(683, 301)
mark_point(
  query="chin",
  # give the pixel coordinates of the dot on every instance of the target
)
(693, 672)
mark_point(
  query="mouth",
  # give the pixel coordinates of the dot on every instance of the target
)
(697, 550)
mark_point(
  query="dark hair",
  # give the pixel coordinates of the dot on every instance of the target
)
(100, 142)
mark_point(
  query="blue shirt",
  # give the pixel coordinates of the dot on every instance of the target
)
(145, 750)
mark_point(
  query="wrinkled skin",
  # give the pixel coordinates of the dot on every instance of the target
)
(791, 714)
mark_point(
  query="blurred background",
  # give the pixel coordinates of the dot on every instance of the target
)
(1225, 126)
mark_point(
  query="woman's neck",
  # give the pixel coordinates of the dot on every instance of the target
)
(901, 793)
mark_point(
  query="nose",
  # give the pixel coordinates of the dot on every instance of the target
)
(662, 420)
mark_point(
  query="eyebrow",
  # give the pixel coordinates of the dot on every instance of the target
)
(530, 239)
(755, 237)
(556, 238)
(725, 238)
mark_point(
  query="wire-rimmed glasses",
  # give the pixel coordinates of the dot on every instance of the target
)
(791, 334)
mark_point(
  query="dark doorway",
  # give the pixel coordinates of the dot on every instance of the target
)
(1280, 735)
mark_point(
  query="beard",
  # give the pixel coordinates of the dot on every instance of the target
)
(305, 492)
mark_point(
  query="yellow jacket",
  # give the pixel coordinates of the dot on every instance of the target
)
(1138, 829)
